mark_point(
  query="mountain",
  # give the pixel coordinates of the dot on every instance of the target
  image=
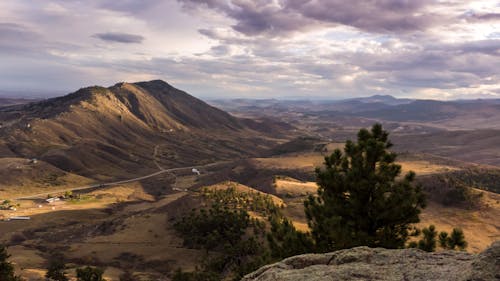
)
(14, 101)
(385, 99)
(129, 128)
(476, 113)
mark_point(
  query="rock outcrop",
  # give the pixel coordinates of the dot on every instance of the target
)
(363, 263)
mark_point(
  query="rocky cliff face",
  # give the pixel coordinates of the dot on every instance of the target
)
(365, 263)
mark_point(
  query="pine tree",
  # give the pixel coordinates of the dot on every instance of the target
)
(360, 201)
(428, 242)
(55, 270)
(89, 274)
(285, 240)
(6, 268)
(456, 240)
(443, 239)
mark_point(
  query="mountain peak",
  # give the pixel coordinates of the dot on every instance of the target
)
(158, 83)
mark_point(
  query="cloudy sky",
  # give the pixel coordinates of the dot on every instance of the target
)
(440, 49)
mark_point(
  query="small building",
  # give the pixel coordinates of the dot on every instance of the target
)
(21, 218)
(194, 170)
(52, 199)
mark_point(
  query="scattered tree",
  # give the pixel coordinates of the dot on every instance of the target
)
(286, 241)
(89, 274)
(360, 201)
(428, 242)
(456, 240)
(446, 241)
(56, 269)
(6, 268)
(443, 239)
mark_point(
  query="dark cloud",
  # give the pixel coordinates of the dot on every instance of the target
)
(119, 37)
(374, 16)
(381, 16)
(471, 16)
(256, 17)
(129, 6)
(490, 47)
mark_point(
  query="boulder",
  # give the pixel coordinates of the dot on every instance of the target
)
(363, 263)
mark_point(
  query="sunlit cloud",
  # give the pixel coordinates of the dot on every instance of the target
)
(227, 48)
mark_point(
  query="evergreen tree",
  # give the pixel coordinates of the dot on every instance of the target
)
(360, 201)
(443, 239)
(89, 274)
(55, 270)
(286, 241)
(6, 268)
(456, 240)
(428, 242)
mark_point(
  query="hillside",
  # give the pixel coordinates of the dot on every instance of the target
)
(114, 132)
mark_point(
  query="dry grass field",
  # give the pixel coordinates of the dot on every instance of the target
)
(21, 177)
(481, 226)
(115, 228)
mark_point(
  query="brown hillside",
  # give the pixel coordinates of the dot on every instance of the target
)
(122, 130)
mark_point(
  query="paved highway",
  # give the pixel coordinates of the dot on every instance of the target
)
(107, 184)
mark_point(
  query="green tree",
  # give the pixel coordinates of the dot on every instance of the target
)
(360, 199)
(56, 269)
(456, 240)
(6, 268)
(286, 241)
(428, 242)
(443, 239)
(89, 274)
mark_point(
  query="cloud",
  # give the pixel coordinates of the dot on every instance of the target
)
(282, 17)
(472, 16)
(255, 48)
(119, 37)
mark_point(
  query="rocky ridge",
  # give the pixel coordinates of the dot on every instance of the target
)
(363, 263)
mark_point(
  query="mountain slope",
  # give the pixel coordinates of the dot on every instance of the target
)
(113, 132)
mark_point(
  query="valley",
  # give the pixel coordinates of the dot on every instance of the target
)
(122, 162)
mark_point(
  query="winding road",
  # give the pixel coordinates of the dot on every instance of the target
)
(107, 184)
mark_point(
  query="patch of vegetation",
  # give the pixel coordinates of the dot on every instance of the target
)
(450, 190)
(300, 144)
(81, 199)
(56, 269)
(485, 179)
(249, 201)
(89, 274)
(286, 241)
(8, 205)
(232, 240)
(53, 179)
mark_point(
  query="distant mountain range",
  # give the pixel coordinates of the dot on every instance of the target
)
(14, 101)
(480, 113)
(129, 128)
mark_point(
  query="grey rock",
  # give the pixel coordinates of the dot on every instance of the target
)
(363, 263)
